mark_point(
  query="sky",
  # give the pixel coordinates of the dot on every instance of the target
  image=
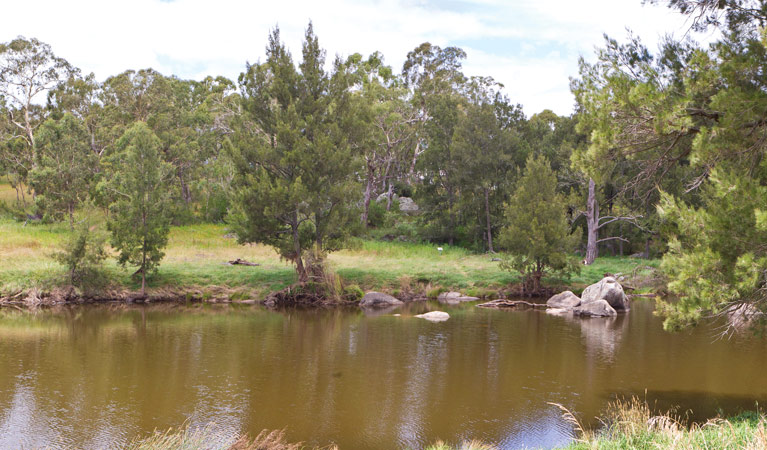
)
(531, 46)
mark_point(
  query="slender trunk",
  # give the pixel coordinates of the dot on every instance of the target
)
(366, 201)
(592, 219)
(450, 216)
(646, 254)
(487, 219)
(71, 209)
(411, 173)
(389, 195)
(302, 278)
(620, 241)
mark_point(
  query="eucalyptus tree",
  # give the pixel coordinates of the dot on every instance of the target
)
(28, 70)
(293, 165)
(64, 166)
(381, 127)
(434, 76)
(489, 150)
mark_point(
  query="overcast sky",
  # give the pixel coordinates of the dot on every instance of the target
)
(531, 46)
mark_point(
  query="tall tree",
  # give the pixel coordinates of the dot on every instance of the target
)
(65, 165)
(138, 220)
(293, 167)
(437, 83)
(28, 69)
(537, 233)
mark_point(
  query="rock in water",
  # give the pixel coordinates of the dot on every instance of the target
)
(434, 316)
(378, 300)
(607, 289)
(597, 308)
(566, 300)
(453, 298)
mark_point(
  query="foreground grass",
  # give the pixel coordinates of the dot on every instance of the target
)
(207, 439)
(196, 256)
(633, 425)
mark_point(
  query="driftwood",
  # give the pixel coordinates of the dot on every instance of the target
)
(503, 303)
(242, 262)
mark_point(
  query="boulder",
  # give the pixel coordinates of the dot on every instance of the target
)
(607, 289)
(382, 197)
(434, 316)
(407, 205)
(453, 298)
(379, 300)
(566, 300)
(597, 308)
(558, 311)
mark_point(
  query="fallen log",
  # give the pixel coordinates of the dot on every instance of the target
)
(241, 262)
(503, 303)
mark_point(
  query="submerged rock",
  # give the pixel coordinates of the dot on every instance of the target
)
(607, 289)
(558, 311)
(566, 300)
(434, 316)
(453, 298)
(597, 308)
(379, 300)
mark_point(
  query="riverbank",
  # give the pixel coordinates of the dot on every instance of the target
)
(195, 268)
(628, 425)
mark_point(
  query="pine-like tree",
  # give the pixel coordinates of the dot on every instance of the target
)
(537, 234)
(138, 219)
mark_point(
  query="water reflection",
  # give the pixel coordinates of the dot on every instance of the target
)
(95, 377)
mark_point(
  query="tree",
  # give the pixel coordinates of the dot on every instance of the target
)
(691, 119)
(293, 167)
(489, 153)
(717, 259)
(537, 234)
(138, 220)
(28, 69)
(435, 78)
(65, 165)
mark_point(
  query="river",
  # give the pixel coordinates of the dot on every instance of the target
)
(97, 376)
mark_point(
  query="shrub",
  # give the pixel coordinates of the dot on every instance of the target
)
(83, 254)
(353, 293)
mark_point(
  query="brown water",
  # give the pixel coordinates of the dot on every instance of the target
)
(95, 377)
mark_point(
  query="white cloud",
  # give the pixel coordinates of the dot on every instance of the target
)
(531, 46)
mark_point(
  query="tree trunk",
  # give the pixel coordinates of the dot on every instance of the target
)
(620, 241)
(389, 195)
(366, 201)
(592, 220)
(302, 278)
(487, 219)
(646, 254)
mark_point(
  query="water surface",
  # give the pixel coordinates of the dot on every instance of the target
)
(96, 376)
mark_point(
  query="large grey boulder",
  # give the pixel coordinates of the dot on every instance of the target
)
(379, 300)
(453, 298)
(597, 308)
(384, 196)
(607, 289)
(566, 300)
(407, 205)
(434, 316)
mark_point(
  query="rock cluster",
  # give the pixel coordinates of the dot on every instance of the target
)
(453, 298)
(601, 299)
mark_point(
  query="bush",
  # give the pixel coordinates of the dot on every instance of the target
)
(83, 254)
(353, 293)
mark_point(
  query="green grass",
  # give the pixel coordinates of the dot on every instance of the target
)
(196, 256)
(631, 424)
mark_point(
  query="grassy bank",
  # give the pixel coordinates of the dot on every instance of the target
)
(628, 425)
(196, 256)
